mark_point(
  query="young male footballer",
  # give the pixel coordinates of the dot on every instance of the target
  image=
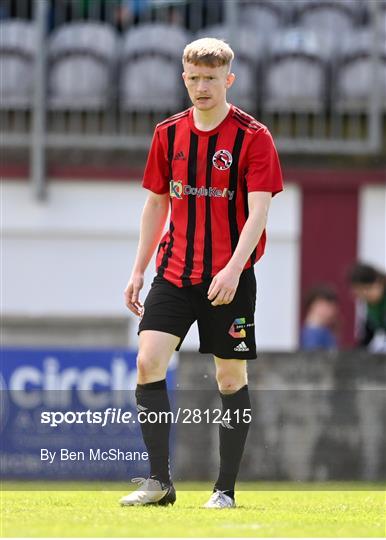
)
(217, 169)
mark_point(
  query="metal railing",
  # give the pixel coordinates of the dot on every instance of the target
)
(41, 126)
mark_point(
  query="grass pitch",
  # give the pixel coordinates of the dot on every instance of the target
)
(348, 510)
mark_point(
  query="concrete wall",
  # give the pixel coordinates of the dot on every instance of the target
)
(67, 332)
(315, 417)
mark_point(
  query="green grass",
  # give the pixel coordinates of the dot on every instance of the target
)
(349, 510)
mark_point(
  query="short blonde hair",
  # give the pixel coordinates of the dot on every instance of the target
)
(209, 51)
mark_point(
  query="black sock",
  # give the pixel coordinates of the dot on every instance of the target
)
(154, 397)
(229, 492)
(232, 438)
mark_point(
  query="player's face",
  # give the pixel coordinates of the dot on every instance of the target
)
(370, 293)
(325, 311)
(206, 85)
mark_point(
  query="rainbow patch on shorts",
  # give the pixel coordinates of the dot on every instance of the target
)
(237, 329)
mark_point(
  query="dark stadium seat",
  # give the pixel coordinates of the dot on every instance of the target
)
(150, 68)
(295, 73)
(82, 58)
(18, 44)
(352, 72)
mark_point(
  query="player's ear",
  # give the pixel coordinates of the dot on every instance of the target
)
(184, 77)
(230, 80)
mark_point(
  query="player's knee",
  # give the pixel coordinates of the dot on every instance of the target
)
(148, 367)
(230, 383)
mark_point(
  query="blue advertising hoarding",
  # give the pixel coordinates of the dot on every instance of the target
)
(71, 414)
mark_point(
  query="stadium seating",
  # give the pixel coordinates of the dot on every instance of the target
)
(151, 84)
(151, 38)
(264, 16)
(382, 9)
(353, 71)
(82, 66)
(279, 67)
(333, 20)
(295, 73)
(18, 44)
(249, 44)
(150, 74)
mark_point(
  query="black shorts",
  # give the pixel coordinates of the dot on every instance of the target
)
(227, 331)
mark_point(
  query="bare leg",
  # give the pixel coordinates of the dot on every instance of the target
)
(155, 351)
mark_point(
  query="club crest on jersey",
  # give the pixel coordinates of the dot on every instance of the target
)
(222, 160)
(175, 189)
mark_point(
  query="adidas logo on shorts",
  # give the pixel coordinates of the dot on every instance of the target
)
(241, 347)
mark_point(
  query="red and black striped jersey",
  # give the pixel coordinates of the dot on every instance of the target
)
(208, 175)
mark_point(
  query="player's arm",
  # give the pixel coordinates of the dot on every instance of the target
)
(224, 284)
(154, 215)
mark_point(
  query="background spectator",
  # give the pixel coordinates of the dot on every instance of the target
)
(369, 287)
(4, 11)
(320, 323)
(130, 12)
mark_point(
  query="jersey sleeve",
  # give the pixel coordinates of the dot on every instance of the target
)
(156, 175)
(263, 167)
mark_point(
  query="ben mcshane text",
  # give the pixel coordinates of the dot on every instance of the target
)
(93, 454)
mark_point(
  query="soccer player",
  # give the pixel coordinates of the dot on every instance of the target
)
(217, 169)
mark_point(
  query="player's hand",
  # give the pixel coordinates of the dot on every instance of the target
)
(223, 287)
(131, 294)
